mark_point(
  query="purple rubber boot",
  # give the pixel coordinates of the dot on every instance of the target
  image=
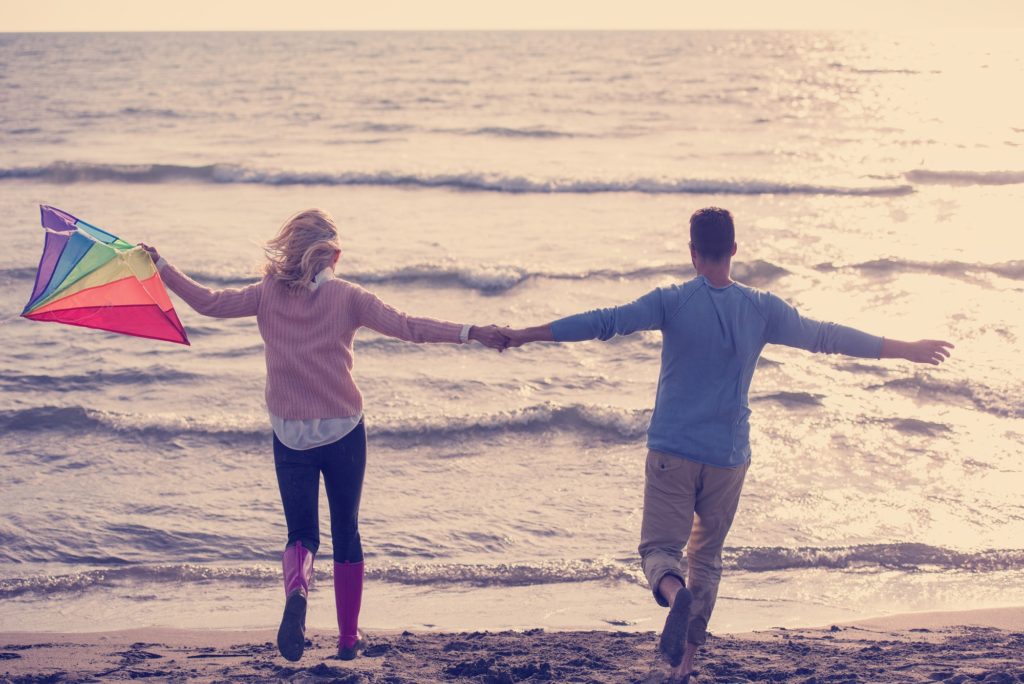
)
(298, 573)
(348, 595)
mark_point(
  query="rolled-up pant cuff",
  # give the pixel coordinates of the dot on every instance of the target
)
(655, 577)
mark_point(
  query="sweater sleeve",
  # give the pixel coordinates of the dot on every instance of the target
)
(646, 313)
(387, 320)
(786, 326)
(227, 303)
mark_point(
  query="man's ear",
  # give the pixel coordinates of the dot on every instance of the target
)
(733, 253)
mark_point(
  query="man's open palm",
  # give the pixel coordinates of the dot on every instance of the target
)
(928, 351)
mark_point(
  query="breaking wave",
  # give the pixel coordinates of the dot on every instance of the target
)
(500, 278)
(926, 176)
(791, 399)
(600, 421)
(907, 557)
(494, 278)
(72, 172)
(487, 278)
(1013, 270)
(504, 574)
(506, 132)
(904, 557)
(94, 380)
(23, 273)
(998, 403)
(604, 421)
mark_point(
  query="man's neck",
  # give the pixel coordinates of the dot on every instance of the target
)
(716, 274)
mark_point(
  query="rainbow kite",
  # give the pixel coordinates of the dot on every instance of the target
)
(91, 278)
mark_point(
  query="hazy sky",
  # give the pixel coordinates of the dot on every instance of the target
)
(190, 15)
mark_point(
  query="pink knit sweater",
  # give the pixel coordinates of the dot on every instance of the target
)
(308, 337)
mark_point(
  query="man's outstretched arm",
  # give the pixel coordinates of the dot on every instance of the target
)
(646, 313)
(786, 326)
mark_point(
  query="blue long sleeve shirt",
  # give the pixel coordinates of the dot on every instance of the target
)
(711, 340)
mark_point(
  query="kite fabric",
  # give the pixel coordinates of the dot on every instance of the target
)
(91, 278)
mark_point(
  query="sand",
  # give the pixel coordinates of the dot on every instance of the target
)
(978, 646)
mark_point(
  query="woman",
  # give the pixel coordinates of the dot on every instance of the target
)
(308, 319)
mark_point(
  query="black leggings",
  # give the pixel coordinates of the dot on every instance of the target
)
(298, 476)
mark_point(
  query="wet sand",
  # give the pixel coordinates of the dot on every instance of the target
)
(977, 646)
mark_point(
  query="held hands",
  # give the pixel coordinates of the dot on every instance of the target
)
(504, 338)
(516, 337)
(489, 336)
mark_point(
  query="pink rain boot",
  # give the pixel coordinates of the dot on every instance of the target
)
(348, 594)
(298, 573)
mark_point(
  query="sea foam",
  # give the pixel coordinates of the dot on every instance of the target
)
(75, 172)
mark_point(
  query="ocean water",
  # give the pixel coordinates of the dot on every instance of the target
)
(876, 180)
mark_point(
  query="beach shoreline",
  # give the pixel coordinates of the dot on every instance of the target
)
(954, 647)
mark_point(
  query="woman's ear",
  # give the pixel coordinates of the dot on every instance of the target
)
(334, 261)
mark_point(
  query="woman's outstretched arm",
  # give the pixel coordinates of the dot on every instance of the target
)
(387, 320)
(227, 303)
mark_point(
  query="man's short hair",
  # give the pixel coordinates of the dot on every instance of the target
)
(712, 233)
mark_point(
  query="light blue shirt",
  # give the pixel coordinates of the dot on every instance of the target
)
(711, 340)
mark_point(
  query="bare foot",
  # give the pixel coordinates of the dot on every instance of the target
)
(685, 670)
(674, 633)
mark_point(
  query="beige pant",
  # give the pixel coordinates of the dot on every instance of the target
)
(688, 504)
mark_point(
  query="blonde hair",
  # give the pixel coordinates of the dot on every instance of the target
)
(305, 245)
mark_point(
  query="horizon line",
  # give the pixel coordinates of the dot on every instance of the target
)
(886, 29)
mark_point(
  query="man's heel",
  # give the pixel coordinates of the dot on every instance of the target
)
(673, 636)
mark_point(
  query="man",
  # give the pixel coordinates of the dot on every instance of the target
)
(713, 331)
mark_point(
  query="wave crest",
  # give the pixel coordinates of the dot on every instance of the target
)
(486, 278)
(506, 132)
(427, 574)
(78, 382)
(1013, 270)
(500, 278)
(905, 557)
(73, 172)
(927, 176)
(1003, 404)
(908, 556)
(607, 421)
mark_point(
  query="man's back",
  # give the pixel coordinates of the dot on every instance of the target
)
(712, 338)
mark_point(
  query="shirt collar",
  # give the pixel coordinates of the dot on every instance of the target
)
(323, 275)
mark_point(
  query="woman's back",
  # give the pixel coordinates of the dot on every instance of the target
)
(308, 347)
(308, 335)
